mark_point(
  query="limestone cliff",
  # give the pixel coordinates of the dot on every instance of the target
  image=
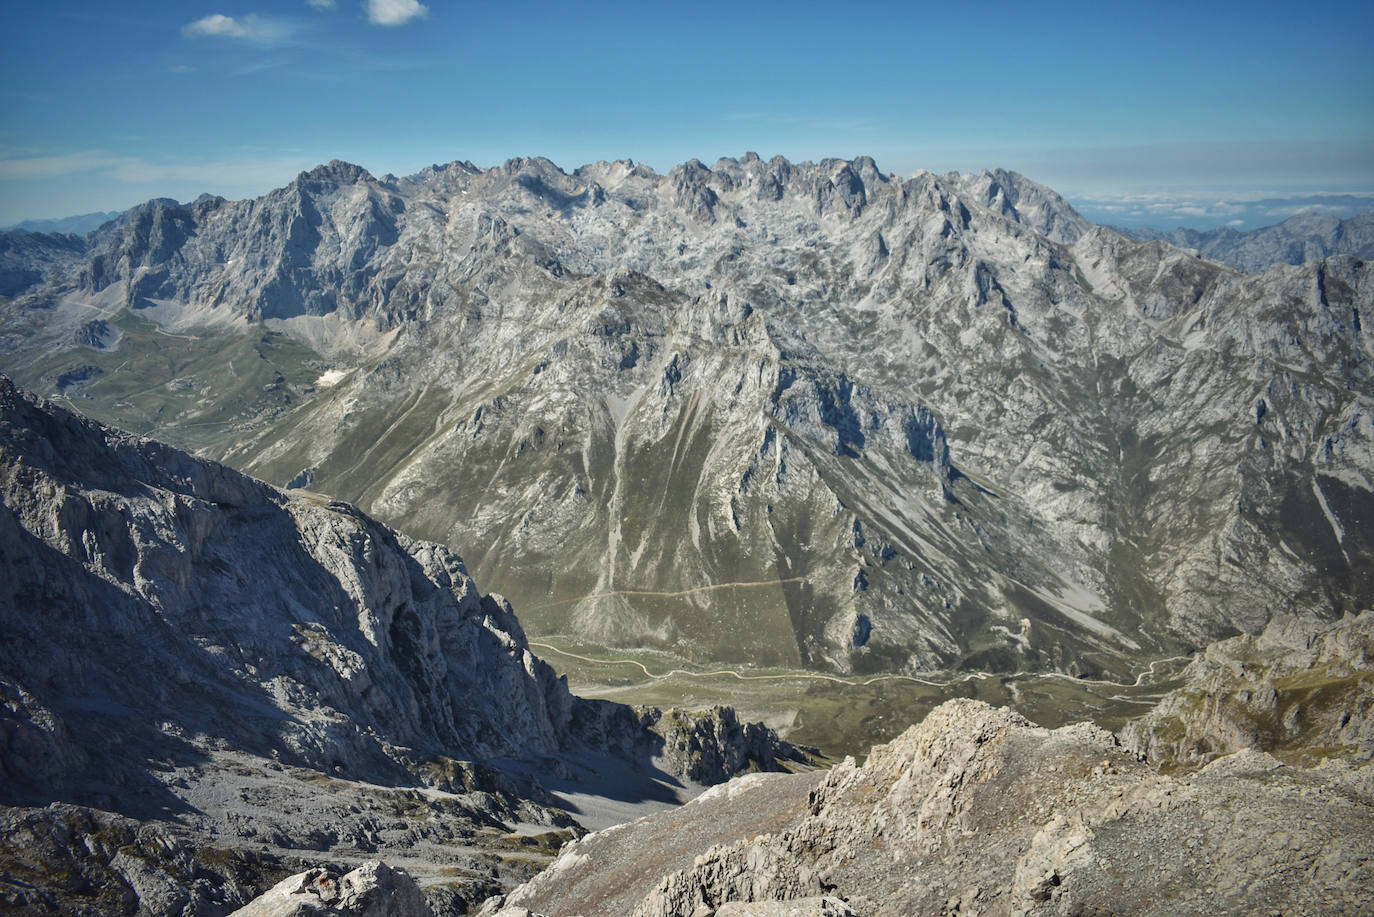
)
(1302, 689)
(205, 681)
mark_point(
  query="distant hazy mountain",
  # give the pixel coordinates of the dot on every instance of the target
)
(805, 414)
(1298, 239)
(77, 225)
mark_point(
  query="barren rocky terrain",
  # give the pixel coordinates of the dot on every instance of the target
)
(977, 810)
(1302, 690)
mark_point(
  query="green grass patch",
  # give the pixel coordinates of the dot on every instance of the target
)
(198, 390)
(839, 714)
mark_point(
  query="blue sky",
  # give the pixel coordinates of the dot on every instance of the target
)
(1160, 113)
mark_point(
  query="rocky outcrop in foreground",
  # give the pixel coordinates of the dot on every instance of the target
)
(1302, 689)
(207, 683)
(372, 890)
(977, 810)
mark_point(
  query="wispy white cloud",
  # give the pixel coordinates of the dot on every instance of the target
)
(258, 66)
(136, 170)
(218, 24)
(395, 12)
(1223, 199)
(255, 29)
(321, 4)
(32, 167)
(34, 186)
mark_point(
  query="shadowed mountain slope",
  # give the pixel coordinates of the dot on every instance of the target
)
(205, 680)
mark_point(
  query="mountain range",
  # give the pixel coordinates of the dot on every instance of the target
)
(77, 225)
(759, 412)
(809, 416)
(1298, 239)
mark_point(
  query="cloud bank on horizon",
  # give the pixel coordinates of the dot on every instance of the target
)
(1116, 109)
(1241, 210)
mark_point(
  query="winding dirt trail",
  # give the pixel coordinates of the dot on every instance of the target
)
(853, 682)
(666, 595)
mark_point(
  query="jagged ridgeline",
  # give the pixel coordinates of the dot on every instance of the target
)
(801, 414)
(1301, 238)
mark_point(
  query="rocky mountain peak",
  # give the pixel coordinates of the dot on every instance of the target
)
(1018, 198)
(335, 172)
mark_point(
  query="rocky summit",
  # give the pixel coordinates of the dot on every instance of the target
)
(207, 684)
(1299, 689)
(978, 811)
(802, 414)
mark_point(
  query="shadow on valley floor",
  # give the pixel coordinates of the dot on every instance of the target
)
(601, 788)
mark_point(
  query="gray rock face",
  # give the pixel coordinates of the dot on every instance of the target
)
(127, 554)
(712, 746)
(30, 259)
(1298, 239)
(189, 647)
(797, 907)
(64, 859)
(1302, 689)
(803, 414)
(372, 890)
(978, 810)
(244, 670)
